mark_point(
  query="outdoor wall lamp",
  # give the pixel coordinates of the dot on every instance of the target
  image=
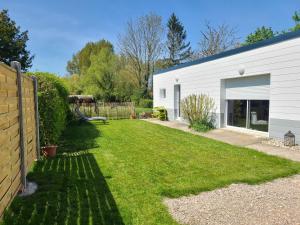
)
(241, 70)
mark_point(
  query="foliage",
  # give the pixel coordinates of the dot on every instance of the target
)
(119, 174)
(217, 39)
(199, 109)
(13, 42)
(146, 103)
(101, 75)
(142, 45)
(202, 126)
(179, 51)
(81, 61)
(296, 18)
(74, 84)
(160, 112)
(261, 33)
(53, 107)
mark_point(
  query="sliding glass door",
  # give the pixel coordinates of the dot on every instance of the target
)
(237, 113)
(250, 114)
(259, 115)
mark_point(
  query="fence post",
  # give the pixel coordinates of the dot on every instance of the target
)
(17, 66)
(37, 117)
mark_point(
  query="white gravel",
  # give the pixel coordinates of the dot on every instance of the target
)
(280, 143)
(276, 202)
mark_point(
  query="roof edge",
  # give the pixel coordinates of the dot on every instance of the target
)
(267, 42)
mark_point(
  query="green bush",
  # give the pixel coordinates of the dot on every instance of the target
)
(53, 107)
(199, 110)
(202, 126)
(160, 113)
(146, 103)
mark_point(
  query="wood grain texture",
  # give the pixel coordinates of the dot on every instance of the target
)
(10, 163)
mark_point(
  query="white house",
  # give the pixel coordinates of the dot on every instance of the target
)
(255, 87)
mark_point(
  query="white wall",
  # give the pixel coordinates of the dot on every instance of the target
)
(281, 61)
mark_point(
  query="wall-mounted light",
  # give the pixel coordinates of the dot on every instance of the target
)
(241, 69)
(176, 79)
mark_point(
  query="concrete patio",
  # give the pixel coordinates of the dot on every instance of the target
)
(249, 140)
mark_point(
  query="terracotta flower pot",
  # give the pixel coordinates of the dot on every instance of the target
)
(49, 151)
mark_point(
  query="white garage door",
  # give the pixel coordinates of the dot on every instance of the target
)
(253, 87)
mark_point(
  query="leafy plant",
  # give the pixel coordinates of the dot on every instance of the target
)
(53, 107)
(202, 126)
(160, 113)
(199, 111)
(146, 103)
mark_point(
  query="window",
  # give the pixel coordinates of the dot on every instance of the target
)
(251, 114)
(162, 93)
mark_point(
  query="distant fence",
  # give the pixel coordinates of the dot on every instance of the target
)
(111, 110)
(19, 145)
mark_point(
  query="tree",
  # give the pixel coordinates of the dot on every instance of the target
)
(142, 45)
(261, 33)
(81, 61)
(179, 51)
(217, 39)
(100, 77)
(73, 83)
(296, 18)
(13, 42)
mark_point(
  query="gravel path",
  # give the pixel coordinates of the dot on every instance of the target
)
(276, 202)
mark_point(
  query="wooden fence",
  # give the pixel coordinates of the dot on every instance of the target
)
(19, 145)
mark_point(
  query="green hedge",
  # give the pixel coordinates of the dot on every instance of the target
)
(146, 103)
(53, 107)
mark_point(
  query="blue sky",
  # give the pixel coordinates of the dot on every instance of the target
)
(59, 28)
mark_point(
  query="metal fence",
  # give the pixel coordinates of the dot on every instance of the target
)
(111, 110)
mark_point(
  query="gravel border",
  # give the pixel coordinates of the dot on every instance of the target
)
(276, 202)
(279, 143)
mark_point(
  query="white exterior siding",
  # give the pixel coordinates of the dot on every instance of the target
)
(252, 87)
(281, 61)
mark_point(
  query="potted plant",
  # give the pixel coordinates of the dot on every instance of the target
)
(53, 111)
(49, 140)
(49, 150)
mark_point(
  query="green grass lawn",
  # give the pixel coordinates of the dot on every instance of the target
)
(119, 173)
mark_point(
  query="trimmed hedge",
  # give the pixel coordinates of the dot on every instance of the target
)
(53, 107)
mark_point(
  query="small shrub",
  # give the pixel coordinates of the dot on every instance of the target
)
(199, 111)
(160, 113)
(202, 126)
(53, 107)
(146, 103)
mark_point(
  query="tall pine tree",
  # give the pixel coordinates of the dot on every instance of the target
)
(179, 51)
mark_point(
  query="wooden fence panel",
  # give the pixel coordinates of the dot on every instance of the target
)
(10, 152)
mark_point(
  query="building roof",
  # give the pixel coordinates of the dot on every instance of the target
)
(271, 41)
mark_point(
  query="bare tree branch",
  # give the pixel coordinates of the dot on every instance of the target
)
(142, 45)
(217, 39)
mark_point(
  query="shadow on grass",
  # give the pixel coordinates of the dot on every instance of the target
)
(72, 189)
